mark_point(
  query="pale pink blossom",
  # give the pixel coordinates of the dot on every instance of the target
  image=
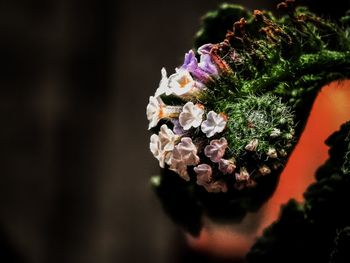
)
(243, 179)
(216, 150)
(183, 155)
(161, 145)
(227, 166)
(205, 179)
(243, 175)
(215, 123)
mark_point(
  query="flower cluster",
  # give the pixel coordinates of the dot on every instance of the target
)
(203, 141)
(175, 147)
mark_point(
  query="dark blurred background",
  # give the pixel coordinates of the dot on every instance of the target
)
(75, 77)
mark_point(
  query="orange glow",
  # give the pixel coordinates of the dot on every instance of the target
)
(331, 109)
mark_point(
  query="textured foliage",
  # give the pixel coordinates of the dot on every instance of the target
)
(271, 69)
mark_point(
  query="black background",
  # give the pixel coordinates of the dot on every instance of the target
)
(75, 77)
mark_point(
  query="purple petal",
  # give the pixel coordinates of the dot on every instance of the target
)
(205, 49)
(190, 62)
(207, 65)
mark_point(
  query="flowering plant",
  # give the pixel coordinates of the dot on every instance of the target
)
(224, 125)
(232, 141)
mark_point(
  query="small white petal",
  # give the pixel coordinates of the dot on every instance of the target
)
(181, 82)
(215, 123)
(163, 85)
(191, 116)
(153, 111)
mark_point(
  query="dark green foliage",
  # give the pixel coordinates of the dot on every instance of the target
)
(306, 232)
(341, 252)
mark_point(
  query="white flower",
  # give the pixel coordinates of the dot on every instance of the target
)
(181, 82)
(215, 123)
(204, 178)
(183, 155)
(163, 87)
(264, 170)
(161, 145)
(155, 146)
(191, 115)
(167, 138)
(252, 145)
(275, 133)
(272, 153)
(216, 150)
(156, 110)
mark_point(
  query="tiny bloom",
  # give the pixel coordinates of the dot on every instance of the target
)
(204, 174)
(227, 166)
(191, 115)
(177, 129)
(157, 110)
(215, 123)
(282, 153)
(264, 170)
(205, 49)
(183, 155)
(243, 175)
(216, 187)
(155, 147)
(206, 64)
(190, 62)
(181, 82)
(275, 133)
(163, 85)
(288, 136)
(252, 145)
(167, 138)
(243, 179)
(202, 70)
(154, 111)
(162, 144)
(205, 179)
(272, 153)
(216, 150)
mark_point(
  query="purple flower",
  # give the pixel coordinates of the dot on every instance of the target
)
(206, 64)
(205, 179)
(190, 62)
(216, 150)
(202, 70)
(177, 129)
(227, 166)
(205, 49)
